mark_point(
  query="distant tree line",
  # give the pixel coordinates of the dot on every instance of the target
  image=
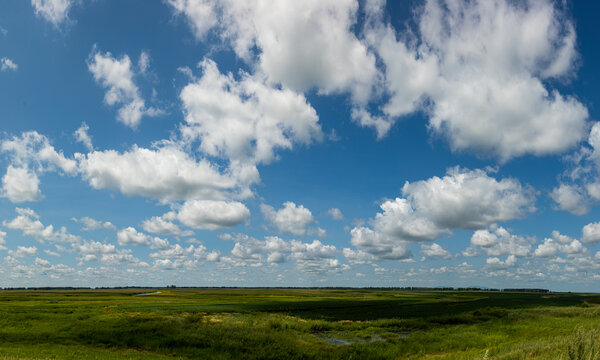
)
(406, 288)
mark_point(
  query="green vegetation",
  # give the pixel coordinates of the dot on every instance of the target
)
(297, 324)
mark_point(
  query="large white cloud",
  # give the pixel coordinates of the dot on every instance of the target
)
(20, 185)
(245, 120)
(463, 199)
(478, 69)
(212, 214)
(117, 76)
(166, 173)
(430, 209)
(300, 44)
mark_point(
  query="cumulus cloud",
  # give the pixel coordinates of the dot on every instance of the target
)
(34, 150)
(435, 251)
(313, 257)
(82, 136)
(497, 241)
(90, 224)
(116, 76)
(21, 185)
(29, 223)
(496, 263)
(579, 187)
(291, 219)
(245, 120)
(378, 245)
(212, 214)
(430, 209)
(130, 236)
(559, 244)
(301, 45)
(479, 78)
(166, 173)
(93, 251)
(591, 233)
(7, 64)
(164, 225)
(23, 251)
(54, 11)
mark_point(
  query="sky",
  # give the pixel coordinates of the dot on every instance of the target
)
(300, 143)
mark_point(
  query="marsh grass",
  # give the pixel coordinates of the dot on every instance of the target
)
(294, 324)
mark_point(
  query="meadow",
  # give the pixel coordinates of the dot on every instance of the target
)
(297, 324)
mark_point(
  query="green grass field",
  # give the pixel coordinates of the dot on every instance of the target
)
(297, 324)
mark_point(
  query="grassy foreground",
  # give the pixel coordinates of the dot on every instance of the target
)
(297, 324)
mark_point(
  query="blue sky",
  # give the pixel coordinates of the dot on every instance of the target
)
(314, 143)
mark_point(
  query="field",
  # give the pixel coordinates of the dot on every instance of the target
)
(297, 324)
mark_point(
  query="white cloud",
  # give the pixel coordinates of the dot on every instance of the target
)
(117, 76)
(302, 44)
(130, 236)
(201, 14)
(378, 245)
(336, 214)
(166, 173)
(312, 251)
(497, 241)
(570, 198)
(34, 150)
(478, 70)
(212, 214)
(23, 251)
(54, 11)
(82, 136)
(90, 224)
(357, 257)
(94, 248)
(245, 121)
(430, 209)
(463, 199)
(291, 219)
(28, 222)
(8, 64)
(21, 185)
(163, 225)
(559, 243)
(121, 257)
(496, 263)
(435, 251)
(579, 189)
(591, 233)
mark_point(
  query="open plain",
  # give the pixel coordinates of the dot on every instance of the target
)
(296, 324)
